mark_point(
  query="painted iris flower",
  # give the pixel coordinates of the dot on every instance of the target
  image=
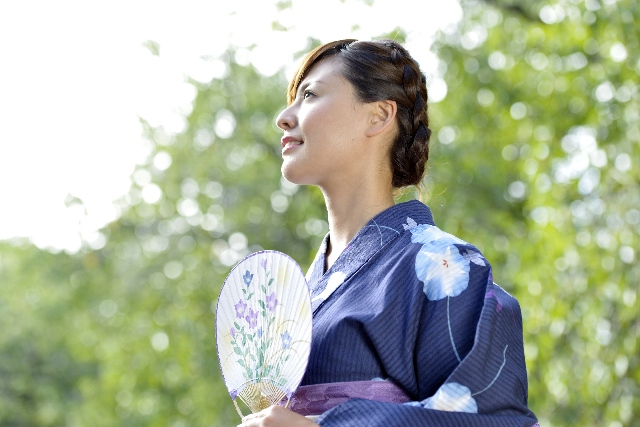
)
(272, 301)
(241, 307)
(247, 278)
(286, 340)
(452, 397)
(445, 273)
(252, 318)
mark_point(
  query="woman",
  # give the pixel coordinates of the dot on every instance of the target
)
(409, 328)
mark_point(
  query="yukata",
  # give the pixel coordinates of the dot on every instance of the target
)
(408, 303)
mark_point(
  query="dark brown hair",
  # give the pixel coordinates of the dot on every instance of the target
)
(383, 70)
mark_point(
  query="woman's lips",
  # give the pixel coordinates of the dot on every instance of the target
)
(289, 143)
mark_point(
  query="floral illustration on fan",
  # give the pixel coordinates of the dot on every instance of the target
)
(264, 329)
(245, 331)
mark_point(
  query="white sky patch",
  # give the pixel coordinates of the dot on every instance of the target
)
(76, 78)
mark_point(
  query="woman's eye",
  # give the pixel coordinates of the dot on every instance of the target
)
(307, 94)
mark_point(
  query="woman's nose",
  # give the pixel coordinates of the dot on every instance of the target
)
(286, 119)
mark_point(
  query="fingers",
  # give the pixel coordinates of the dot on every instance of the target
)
(254, 420)
(251, 420)
(275, 416)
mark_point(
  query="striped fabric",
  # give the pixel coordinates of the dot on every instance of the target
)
(410, 303)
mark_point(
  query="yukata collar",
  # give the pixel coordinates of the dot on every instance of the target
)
(379, 232)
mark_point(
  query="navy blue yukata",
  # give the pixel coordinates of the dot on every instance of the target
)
(409, 303)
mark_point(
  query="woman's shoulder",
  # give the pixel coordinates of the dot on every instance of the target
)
(417, 229)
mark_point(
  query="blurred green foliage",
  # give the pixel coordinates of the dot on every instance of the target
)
(539, 135)
(533, 161)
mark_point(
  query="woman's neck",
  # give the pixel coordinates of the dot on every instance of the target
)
(349, 211)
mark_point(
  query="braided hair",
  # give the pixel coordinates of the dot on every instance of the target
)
(384, 70)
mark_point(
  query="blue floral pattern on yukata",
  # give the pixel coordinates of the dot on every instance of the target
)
(410, 303)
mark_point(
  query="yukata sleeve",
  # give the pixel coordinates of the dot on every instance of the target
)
(488, 384)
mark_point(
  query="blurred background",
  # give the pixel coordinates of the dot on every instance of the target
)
(139, 161)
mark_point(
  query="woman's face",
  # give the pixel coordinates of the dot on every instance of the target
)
(323, 129)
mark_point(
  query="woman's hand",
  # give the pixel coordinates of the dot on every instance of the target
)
(276, 416)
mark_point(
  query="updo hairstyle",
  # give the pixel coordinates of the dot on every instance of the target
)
(383, 70)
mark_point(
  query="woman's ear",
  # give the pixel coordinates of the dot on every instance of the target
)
(382, 117)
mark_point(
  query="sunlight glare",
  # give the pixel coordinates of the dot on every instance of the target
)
(71, 106)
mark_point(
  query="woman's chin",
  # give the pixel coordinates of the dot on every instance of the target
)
(293, 174)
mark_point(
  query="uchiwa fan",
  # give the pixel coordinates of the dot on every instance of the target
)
(263, 329)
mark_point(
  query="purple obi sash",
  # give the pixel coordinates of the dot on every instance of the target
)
(318, 398)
